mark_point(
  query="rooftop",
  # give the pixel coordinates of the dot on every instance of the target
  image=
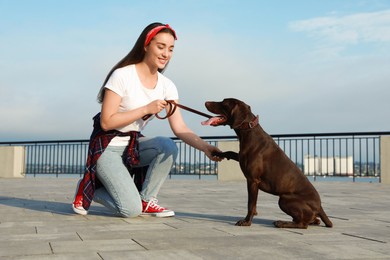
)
(37, 222)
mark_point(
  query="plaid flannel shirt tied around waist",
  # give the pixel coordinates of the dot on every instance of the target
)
(97, 144)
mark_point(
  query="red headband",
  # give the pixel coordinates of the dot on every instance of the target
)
(155, 31)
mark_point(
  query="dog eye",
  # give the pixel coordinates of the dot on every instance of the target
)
(225, 105)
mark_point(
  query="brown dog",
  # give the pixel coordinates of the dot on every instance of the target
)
(266, 167)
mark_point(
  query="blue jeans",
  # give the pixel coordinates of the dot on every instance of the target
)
(119, 192)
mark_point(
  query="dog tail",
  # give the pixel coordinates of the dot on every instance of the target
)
(325, 218)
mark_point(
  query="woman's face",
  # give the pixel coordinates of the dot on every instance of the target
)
(160, 50)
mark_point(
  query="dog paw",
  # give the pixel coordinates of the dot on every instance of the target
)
(243, 222)
(279, 224)
(316, 221)
(227, 155)
(289, 224)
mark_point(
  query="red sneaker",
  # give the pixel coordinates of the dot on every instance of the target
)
(77, 204)
(153, 209)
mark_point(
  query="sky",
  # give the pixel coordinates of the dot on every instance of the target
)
(303, 66)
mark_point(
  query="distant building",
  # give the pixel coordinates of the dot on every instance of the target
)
(328, 165)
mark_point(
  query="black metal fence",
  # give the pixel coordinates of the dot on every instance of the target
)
(353, 155)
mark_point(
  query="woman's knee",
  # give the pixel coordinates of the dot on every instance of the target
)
(167, 145)
(131, 211)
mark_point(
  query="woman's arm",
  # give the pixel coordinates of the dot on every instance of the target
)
(181, 130)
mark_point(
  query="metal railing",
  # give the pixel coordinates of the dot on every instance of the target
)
(353, 155)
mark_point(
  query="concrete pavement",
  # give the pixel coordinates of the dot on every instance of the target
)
(36, 222)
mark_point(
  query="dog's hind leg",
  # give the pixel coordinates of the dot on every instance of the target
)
(289, 224)
(302, 214)
(300, 220)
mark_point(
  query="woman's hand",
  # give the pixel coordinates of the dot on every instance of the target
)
(156, 106)
(210, 150)
(181, 130)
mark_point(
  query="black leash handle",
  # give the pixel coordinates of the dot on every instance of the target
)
(172, 108)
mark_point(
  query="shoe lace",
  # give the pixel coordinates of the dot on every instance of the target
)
(78, 202)
(153, 204)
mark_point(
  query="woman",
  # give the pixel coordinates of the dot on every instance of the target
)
(134, 88)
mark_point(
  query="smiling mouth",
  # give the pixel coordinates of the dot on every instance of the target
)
(215, 121)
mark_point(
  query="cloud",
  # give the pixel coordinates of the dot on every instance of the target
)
(285, 81)
(348, 29)
(210, 66)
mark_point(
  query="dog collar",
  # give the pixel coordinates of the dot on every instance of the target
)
(248, 125)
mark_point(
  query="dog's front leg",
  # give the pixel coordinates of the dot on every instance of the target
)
(253, 190)
(228, 155)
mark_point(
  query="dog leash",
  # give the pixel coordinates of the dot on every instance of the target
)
(172, 108)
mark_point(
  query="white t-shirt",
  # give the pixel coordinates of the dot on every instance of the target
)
(126, 83)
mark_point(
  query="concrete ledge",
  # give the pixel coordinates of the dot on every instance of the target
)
(229, 170)
(385, 162)
(12, 161)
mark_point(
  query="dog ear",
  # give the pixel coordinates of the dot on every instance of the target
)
(238, 115)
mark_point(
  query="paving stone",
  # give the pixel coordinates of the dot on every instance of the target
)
(59, 247)
(20, 248)
(155, 254)
(37, 222)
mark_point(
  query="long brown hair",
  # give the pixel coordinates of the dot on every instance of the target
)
(136, 55)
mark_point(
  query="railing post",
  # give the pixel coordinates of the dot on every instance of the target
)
(12, 161)
(229, 170)
(385, 159)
